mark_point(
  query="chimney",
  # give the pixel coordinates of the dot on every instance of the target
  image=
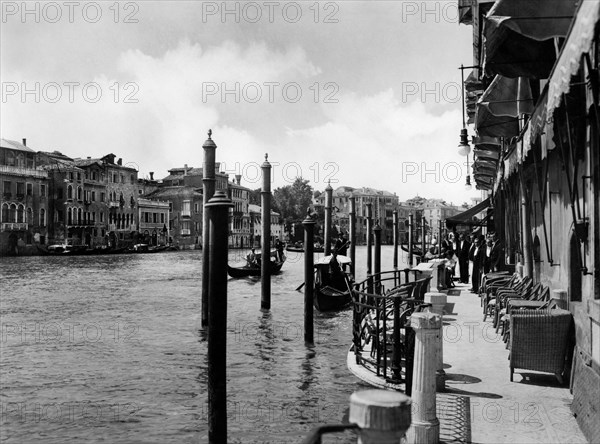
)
(89, 157)
(25, 142)
(120, 161)
(238, 179)
(185, 169)
(151, 175)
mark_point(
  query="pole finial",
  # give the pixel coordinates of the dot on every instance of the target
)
(209, 133)
(266, 156)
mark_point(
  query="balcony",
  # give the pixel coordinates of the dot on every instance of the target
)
(26, 172)
(14, 226)
(113, 204)
(185, 232)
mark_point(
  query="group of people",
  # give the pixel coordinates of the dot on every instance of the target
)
(485, 253)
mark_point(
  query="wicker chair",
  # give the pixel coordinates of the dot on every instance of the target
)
(539, 340)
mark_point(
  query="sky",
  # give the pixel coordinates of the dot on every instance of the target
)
(355, 93)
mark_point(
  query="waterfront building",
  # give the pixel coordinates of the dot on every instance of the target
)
(240, 228)
(383, 204)
(277, 227)
(535, 90)
(111, 192)
(25, 203)
(154, 215)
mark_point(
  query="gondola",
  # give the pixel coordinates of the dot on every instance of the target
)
(248, 270)
(333, 284)
(63, 250)
(415, 249)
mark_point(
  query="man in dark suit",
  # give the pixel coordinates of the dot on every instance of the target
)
(497, 254)
(487, 255)
(476, 255)
(462, 252)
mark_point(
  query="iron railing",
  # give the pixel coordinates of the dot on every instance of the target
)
(383, 341)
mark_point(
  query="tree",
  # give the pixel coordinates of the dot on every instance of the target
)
(292, 201)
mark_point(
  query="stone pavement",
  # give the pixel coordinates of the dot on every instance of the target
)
(480, 404)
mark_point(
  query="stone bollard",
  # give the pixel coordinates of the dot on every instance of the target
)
(438, 302)
(383, 416)
(425, 427)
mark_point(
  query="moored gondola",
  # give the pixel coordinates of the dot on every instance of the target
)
(333, 283)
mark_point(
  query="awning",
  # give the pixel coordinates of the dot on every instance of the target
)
(519, 36)
(578, 42)
(466, 217)
(485, 161)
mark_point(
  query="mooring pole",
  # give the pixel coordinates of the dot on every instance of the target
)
(208, 189)
(369, 245)
(309, 224)
(352, 234)
(328, 210)
(395, 237)
(410, 240)
(265, 261)
(218, 209)
(423, 234)
(377, 261)
(439, 242)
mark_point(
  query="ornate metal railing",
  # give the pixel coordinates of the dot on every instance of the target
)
(383, 341)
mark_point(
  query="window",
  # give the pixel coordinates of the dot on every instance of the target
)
(20, 188)
(79, 193)
(42, 190)
(29, 219)
(162, 218)
(146, 217)
(196, 208)
(132, 179)
(185, 208)
(42, 218)
(102, 196)
(69, 192)
(71, 175)
(10, 158)
(185, 228)
(7, 187)
(93, 196)
(5, 212)
(30, 189)
(122, 178)
(101, 217)
(78, 175)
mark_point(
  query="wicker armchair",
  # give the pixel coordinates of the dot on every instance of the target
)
(539, 340)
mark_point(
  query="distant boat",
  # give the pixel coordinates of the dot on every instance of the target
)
(253, 270)
(63, 249)
(299, 248)
(333, 287)
(415, 249)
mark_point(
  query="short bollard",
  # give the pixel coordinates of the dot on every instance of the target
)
(438, 302)
(383, 416)
(425, 427)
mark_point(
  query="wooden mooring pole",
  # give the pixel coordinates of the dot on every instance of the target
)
(369, 245)
(410, 240)
(395, 237)
(265, 261)
(353, 234)
(423, 236)
(309, 224)
(377, 259)
(208, 189)
(328, 210)
(218, 212)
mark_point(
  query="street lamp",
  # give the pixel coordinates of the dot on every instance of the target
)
(463, 147)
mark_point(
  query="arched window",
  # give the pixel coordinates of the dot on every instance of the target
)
(79, 216)
(69, 217)
(42, 218)
(20, 160)
(12, 215)
(20, 214)
(5, 217)
(29, 216)
(79, 193)
(69, 192)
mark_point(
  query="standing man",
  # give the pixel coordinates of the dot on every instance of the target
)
(497, 254)
(476, 256)
(462, 253)
(487, 257)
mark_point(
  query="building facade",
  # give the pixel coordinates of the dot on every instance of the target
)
(538, 157)
(154, 217)
(25, 202)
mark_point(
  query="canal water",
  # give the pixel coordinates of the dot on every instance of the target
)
(109, 349)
